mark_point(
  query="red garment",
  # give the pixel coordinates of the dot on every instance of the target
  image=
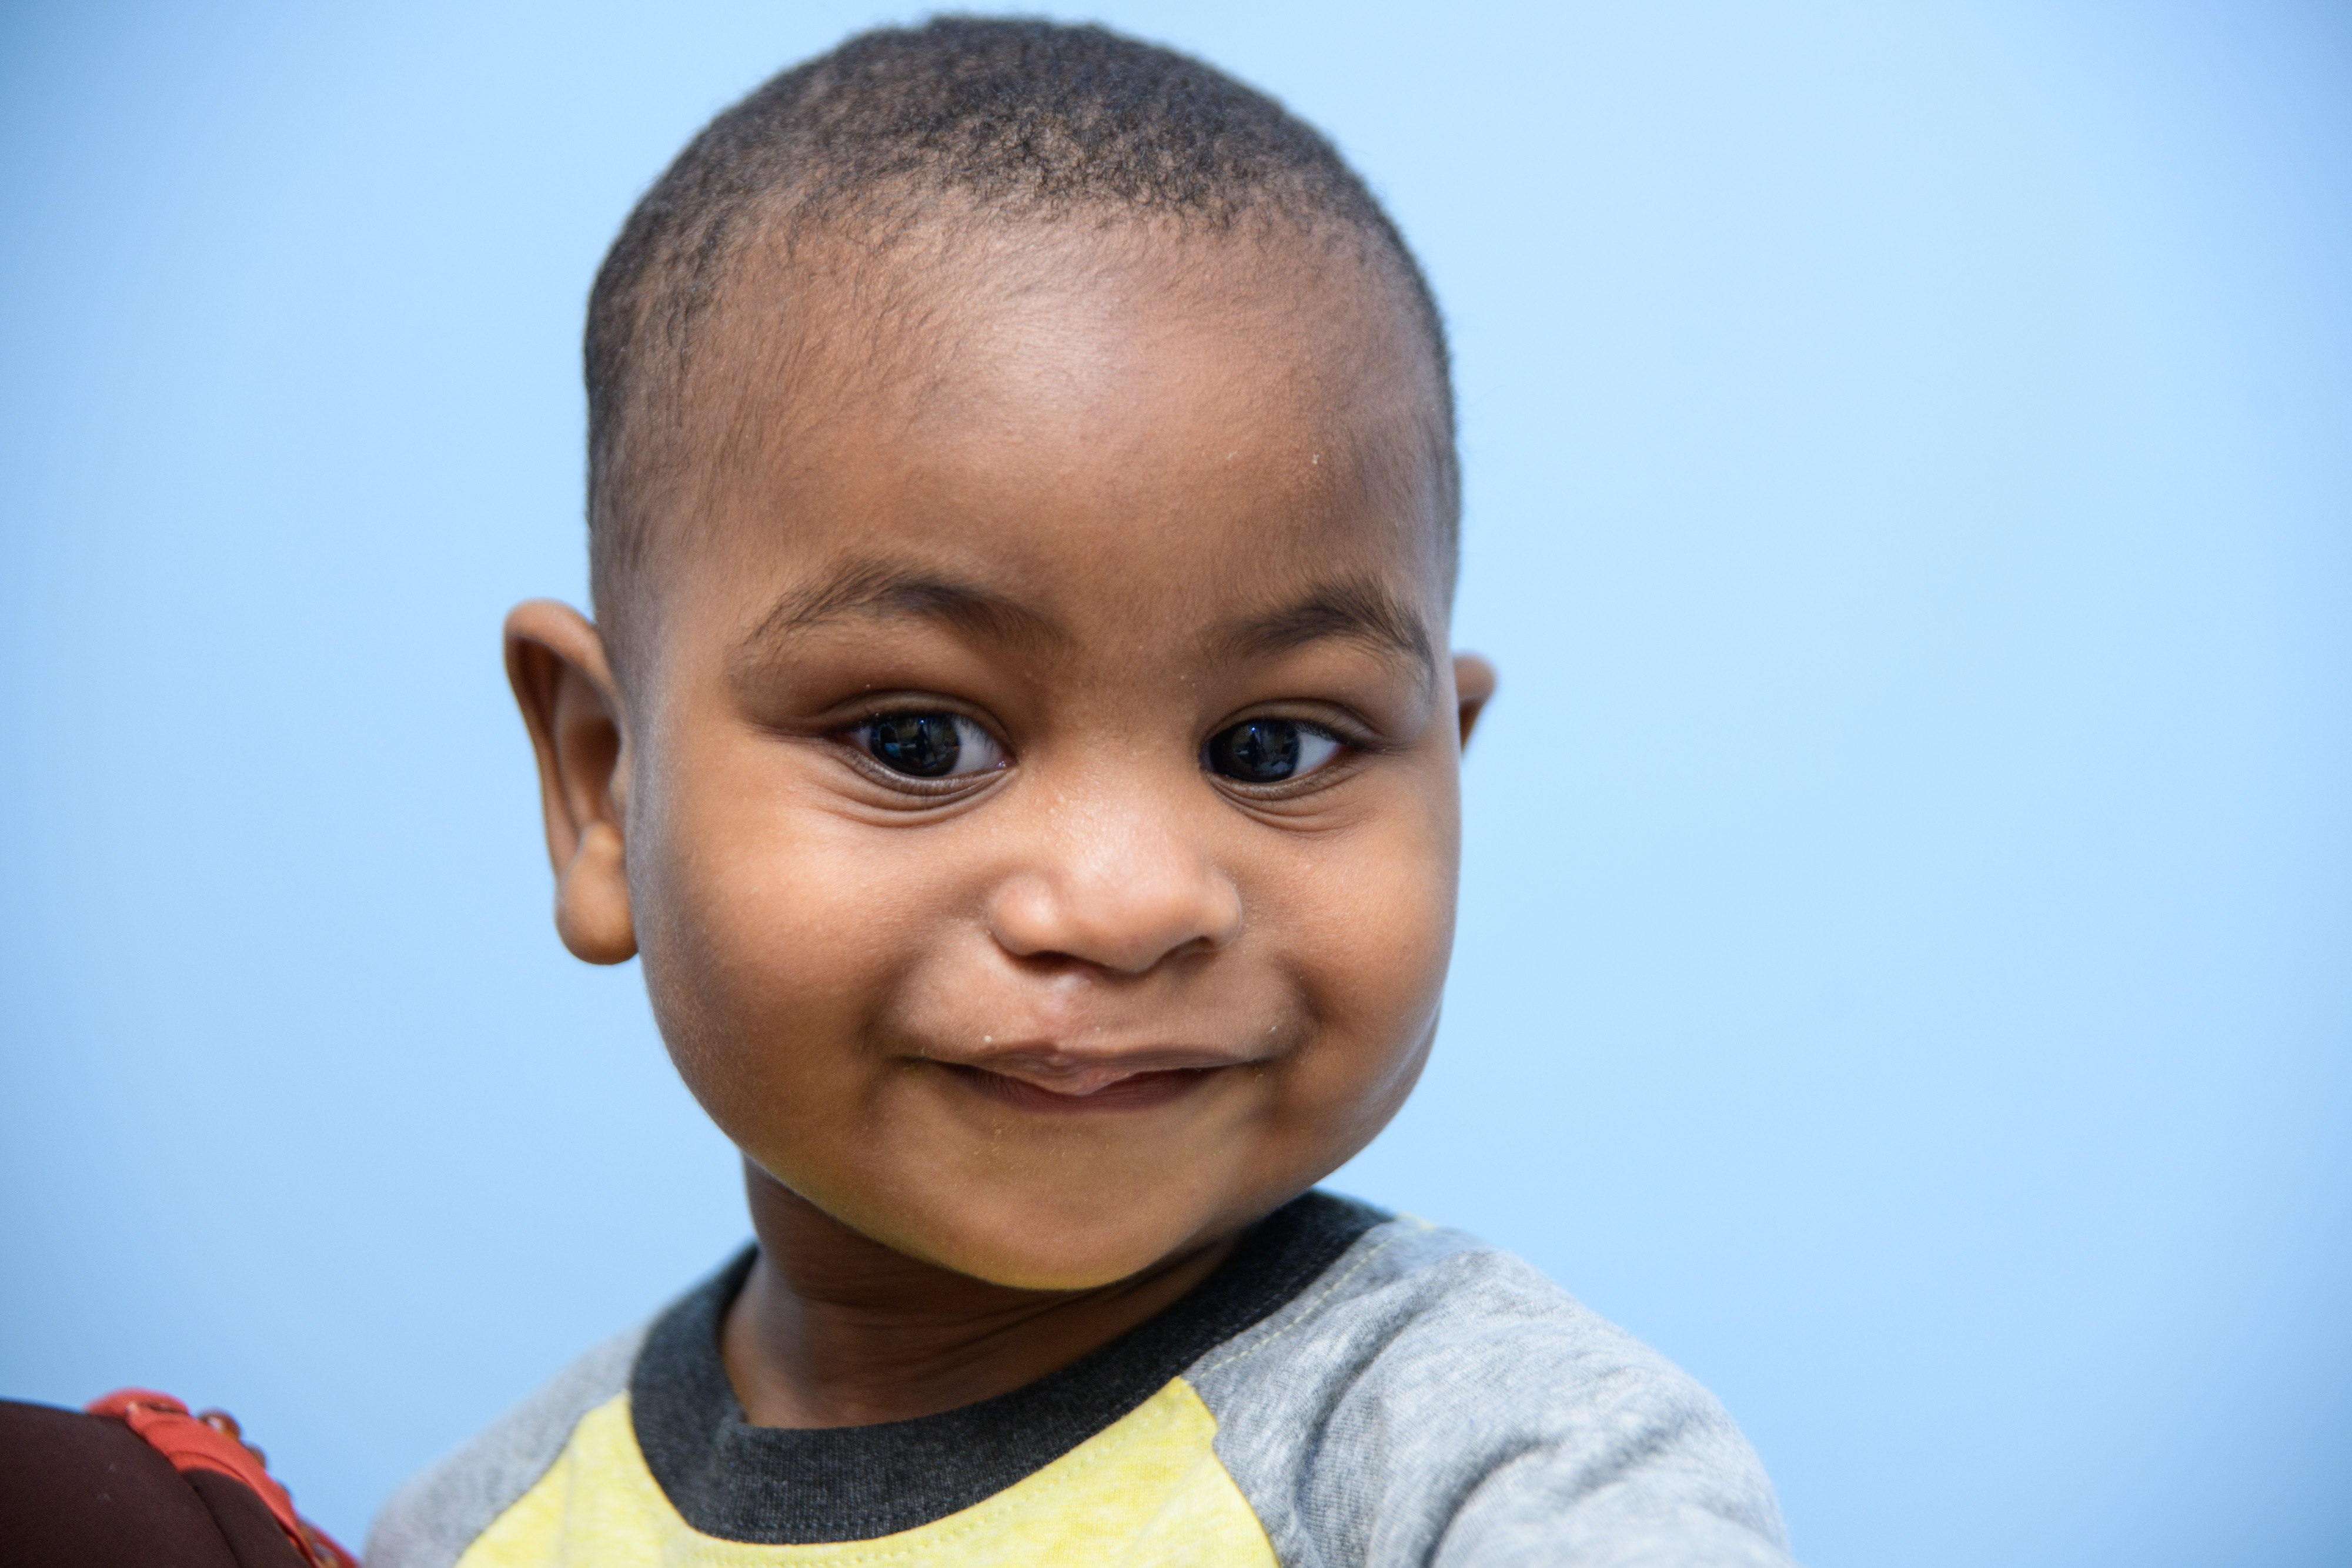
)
(211, 1442)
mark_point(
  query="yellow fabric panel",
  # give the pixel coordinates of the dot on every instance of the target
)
(1147, 1492)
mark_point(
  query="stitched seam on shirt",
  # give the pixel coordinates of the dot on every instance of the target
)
(1308, 1311)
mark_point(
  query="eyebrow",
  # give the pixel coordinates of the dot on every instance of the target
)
(1357, 610)
(895, 590)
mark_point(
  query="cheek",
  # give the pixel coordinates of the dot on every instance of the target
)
(1369, 925)
(768, 939)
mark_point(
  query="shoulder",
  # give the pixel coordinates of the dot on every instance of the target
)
(1428, 1398)
(435, 1515)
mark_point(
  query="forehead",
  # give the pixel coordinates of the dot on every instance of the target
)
(1148, 426)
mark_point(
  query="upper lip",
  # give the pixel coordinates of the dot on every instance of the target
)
(1083, 1071)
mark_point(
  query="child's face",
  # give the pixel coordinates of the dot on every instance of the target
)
(1038, 771)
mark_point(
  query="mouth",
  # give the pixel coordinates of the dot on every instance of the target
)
(1127, 1092)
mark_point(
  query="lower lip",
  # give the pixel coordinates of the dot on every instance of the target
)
(1141, 1092)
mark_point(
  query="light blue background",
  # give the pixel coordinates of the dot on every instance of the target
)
(1906, 969)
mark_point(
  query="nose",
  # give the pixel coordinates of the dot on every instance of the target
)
(1122, 895)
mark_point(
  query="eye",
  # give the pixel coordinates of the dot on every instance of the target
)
(929, 745)
(1269, 750)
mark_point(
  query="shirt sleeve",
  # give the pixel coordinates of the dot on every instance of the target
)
(1435, 1402)
(435, 1514)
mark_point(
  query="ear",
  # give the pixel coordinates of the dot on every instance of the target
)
(1474, 684)
(572, 705)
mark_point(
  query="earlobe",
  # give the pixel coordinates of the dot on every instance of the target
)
(591, 900)
(1475, 680)
(574, 710)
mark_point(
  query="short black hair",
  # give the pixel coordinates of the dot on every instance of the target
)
(1010, 117)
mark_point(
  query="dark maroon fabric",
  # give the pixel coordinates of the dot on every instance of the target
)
(244, 1521)
(86, 1491)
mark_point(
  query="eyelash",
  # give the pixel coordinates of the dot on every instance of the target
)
(866, 742)
(1326, 748)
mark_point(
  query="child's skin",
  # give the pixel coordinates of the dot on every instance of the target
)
(1014, 1052)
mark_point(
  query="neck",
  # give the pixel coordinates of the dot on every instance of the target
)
(833, 1329)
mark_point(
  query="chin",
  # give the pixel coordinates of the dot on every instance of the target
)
(1046, 1246)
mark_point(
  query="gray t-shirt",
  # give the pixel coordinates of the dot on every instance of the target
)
(1348, 1388)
